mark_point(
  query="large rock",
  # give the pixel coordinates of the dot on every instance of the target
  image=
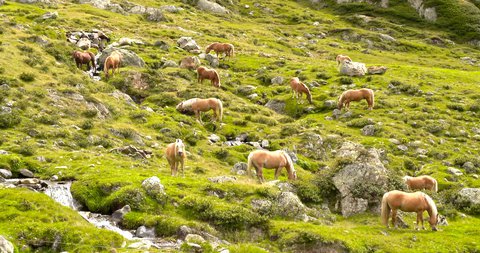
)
(289, 205)
(361, 180)
(84, 43)
(277, 80)
(312, 146)
(187, 43)
(154, 187)
(190, 62)
(377, 70)
(117, 216)
(144, 232)
(262, 206)
(353, 68)
(368, 130)
(26, 173)
(239, 168)
(5, 245)
(5, 173)
(468, 199)
(211, 7)
(213, 60)
(129, 58)
(276, 105)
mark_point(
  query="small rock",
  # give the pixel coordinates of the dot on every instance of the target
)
(26, 173)
(386, 37)
(246, 90)
(454, 171)
(377, 70)
(368, 130)
(191, 62)
(154, 187)
(5, 173)
(277, 80)
(162, 45)
(3, 152)
(214, 138)
(54, 178)
(331, 104)
(261, 206)
(222, 179)
(187, 43)
(50, 15)
(265, 144)
(117, 216)
(169, 64)
(144, 232)
(5, 245)
(142, 245)
(240, 168)
(402, 147)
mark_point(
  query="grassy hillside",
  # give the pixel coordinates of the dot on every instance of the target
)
(427, 100)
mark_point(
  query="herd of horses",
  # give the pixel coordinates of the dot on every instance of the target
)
(258, 160)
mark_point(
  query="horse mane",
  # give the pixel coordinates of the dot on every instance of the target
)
(188, 103)
(92, 56)
(217, 78)
(309, 94)
(290, 162)
(432, 205)
(341, 99)
(435, 185)
(209, 47)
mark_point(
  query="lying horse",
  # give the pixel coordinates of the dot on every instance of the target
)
(84, 58)
(421, 182)
(210, 74)
(356, 95)
(299, 88)
(342, 58)
(112, 62)
(198, 105)
(409, 202)
(218, 47)
(260, 159)
(176, 155)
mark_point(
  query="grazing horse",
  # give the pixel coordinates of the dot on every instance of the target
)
(210, 74)
(342, 58)
(417, 202)
(112, 62)
(260, 159)
(298, 88)
(84, 58)
(421, 182)
(198, 105)
(176, 155)
(356, 95)
(218, 47)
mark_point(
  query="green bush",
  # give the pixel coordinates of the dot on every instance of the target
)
(27, 77)
(345, 80)
(8, 120)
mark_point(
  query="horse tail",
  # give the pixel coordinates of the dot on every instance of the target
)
(341, 99)
(232, 50)
(373, 98)
(105, 66)
(385, 209)
(250, 164)
(220, 109)
(435, 185)
(431, 204)
(92, 56)
(291, 168)
(208, 49)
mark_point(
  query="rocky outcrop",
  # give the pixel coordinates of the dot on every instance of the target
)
(213, 7)
(289, 205)
(190, 62)
(144, 232)
(188, 44)
(154, 187)
(468, 199)
(430, 14)
(361, 180)
(353, 68)
(276, 105)
(129, 58)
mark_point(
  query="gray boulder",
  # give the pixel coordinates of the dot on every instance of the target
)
(454, 171)
(117, 216)
(312, 146)
(277, 80)
(239, 168)
(353, 68)
(361, 178)
(246, 90)
(214, 138)
(187, 43)
(262, 206)
(289, 205)
(26, 173)
(144, 232)
(331, 104)
(129, 42)
(129, 58)
(84, 43)
(222, 179)
(101, 4)
(213, 7)
(153, 187)
(377, 70)
(5, 245)
(212, 60)
(5, 173)
(469, 199)
(386, 37)
(276, 105)
(169, 64)
(50, 15)
(368, 130)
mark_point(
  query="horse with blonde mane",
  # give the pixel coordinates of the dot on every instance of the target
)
(176, 155)
(417, 202)
(210, 74)
(277, 160)
(299, 88)
(218, 47)
(198, 105)
(421, 183)
(84, 58)
(342, 58)
(112, 62)
(356, 95)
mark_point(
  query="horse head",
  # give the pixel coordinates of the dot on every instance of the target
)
(179, 147)
(180, 107)
(405, 178)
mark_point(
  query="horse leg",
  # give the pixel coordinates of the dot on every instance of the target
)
(260, 175)
(419, 219)
(182, 165)
(198, 115)
(172, 168)
(394, 218)
(277, 172)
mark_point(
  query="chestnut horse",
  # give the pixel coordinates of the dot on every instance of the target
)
(112, 62)
(278, 159)
(84, 58)
(421, 182)
(210, 74)
(356, 95)
(198, 105)
(417, 202)
(299, 89)
(342, 58)
(176, 155)
(218, 47)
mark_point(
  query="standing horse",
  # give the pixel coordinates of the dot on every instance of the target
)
(417, 202)
(210, 74)
(112, 62)
(198, 105)
(342, 58)
(260, 159)
(421, 182)
(218, 47)
(176, 155)
(356, 95)
(84, 58)
(299, 88)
